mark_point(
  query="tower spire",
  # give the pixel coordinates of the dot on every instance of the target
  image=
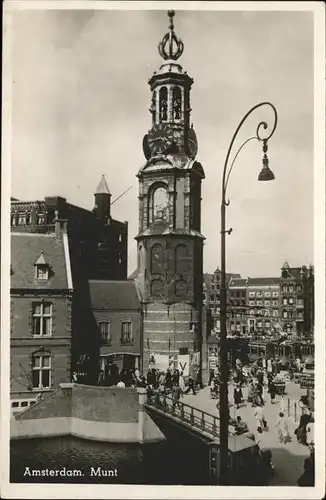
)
(170, 46)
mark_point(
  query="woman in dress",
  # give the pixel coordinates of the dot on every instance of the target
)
(237, 395)
(282, 429)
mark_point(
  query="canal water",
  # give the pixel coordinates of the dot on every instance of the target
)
(157, 463)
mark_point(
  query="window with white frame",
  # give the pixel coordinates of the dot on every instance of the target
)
(291, 288)
(126, 332)
(41, 371)
(259, 302)
(275, 302)
(275, 294)
(300, 302)
(267, 294)
(285, 301)
(291, 301)
(42, 318)
(267, 303)
(259, 324)
(267, 323)
(285, 288)
(285, 314)
(251, 302)
(251, 294)
(42, 272)
(105, 331)
(259, 294)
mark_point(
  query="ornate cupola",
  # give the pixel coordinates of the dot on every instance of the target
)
(170, 105)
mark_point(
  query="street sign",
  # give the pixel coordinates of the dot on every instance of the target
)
(307, 382)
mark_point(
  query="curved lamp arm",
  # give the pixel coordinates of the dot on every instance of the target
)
(258, 136)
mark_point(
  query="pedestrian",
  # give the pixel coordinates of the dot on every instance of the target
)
(260, 419)
(282, 429)
(308, 476)
(176, 394)
(272, 390)
(269, 366)
(161, 382)
(237, 395)
(240, 426)
(182, 382)
(121, 383)
(301, 431)
(191, 386)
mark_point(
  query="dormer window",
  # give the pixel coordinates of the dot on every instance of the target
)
(41, 268)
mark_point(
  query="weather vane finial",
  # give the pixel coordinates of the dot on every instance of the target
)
(175, 45)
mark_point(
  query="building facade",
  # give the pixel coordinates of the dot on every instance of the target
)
(169, 241)
(117, 315)
(212, 287)
(94, 247)
(297, 301)
(41, 333)
(237, 306)
(263, 301)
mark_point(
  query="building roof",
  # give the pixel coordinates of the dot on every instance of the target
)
(235, 282)
(114, 295)
(26, 249)
(265, 281)
(102, 188)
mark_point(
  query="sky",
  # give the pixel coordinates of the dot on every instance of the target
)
(80, 102)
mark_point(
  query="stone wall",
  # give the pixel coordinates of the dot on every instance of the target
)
(101, 413)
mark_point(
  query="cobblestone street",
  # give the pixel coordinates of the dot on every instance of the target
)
(288, 458)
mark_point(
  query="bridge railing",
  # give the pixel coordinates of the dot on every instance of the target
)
(196, 418)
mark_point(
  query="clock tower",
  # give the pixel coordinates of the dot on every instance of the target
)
(169, 242)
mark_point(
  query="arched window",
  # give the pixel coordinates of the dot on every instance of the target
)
(181, 287)
(163, 104)
(157, 259)
(153, 104)
(176, 100)
(156, 288)
(181, 259)
(159, 205)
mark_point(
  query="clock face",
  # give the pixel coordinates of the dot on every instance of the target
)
(146, 148)
(192, 143)
(160, 138)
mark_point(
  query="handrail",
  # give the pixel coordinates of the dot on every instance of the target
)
(197, 418)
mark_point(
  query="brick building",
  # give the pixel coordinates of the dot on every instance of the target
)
(118, 319)
(237, 306)
(95, 246)
(41, 332)
(212, 287)
(297, 300)
(169, 241)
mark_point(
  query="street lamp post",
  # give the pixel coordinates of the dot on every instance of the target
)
(265, 175)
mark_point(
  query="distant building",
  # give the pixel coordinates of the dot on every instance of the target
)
(237, 313)
(263, 311)
(41, 333)
(212, 287)
(297, 300)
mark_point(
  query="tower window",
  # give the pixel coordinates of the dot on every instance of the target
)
(157, 259)
(176, 103)
(163, 104)
(160, 203)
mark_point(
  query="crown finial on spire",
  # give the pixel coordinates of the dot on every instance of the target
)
(170, 46)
